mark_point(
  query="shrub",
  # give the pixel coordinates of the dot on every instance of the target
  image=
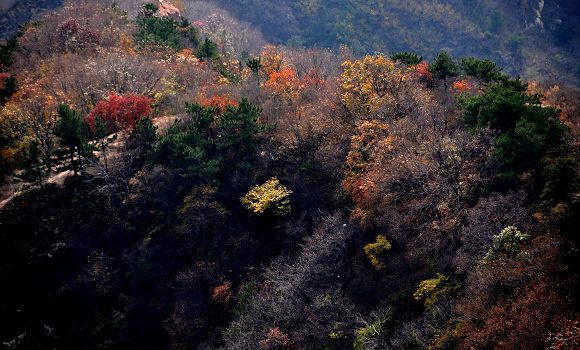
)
(373, 250)
(270, 196)
(208, 51)
(222, 294)
(363, 334)
(509, 240)
(432, 290)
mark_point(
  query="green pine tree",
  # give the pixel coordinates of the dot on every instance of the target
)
(408, 58)
(71, 130)
(208, 51)
(443, 67)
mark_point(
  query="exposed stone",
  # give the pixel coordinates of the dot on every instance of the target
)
(167, 9)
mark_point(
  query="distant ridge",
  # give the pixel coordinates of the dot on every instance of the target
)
(13, 13)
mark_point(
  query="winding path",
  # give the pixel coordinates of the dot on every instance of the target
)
(10, 191)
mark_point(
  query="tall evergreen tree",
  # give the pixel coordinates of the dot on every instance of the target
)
(71, 130)
(443, 67)
(485, 71)
(208, 51)
(408, 58)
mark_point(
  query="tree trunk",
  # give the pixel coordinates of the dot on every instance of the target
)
(72, 160)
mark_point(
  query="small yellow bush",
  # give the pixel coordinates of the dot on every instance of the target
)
(270, 196)
(432, 290)
(372, 250)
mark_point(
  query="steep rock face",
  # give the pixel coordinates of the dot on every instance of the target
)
(167, 9)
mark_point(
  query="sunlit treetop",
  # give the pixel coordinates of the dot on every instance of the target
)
(270, 196)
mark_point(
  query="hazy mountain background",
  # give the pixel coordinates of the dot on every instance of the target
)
(14, 13)
(537, 39)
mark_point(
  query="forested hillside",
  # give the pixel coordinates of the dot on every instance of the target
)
(535, 39)
(14, 13)
(174, 178)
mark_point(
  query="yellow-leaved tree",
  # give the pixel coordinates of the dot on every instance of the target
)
(270, 196)
(367, 83)
(375, 249)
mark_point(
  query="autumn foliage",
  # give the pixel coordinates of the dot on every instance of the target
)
(221, 102)
(461, 86)
(222, 294)
(276, 339)
(422, 71)
(120, 112)
(375, 249)
(367, 83)
(75, 37)
(283, 82)
(269, 196)
(272, 198)
(272, 60)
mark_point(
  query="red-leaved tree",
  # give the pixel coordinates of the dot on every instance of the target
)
(120, 112)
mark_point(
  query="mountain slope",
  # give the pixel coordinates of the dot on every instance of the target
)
(15, 13)
(535, 39)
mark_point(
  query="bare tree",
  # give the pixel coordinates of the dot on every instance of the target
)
(235, 37)
(485, 220)
(300, 298)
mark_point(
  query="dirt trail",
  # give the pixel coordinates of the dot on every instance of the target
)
(12, 190)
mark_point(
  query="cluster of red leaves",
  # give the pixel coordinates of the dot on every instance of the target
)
(286, 82)
(120, 112)
(74, 36)
(422, 71)
(222, 294)
(3, 77)
(276, 339)
(221, 102)
(461, 86)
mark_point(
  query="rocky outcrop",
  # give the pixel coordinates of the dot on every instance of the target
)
(167, 9)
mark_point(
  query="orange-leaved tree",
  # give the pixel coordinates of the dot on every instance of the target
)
(284, 82)
(220, 102)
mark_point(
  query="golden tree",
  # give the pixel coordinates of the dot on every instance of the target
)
(270, 196)
(373, 250)
(367, 83)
